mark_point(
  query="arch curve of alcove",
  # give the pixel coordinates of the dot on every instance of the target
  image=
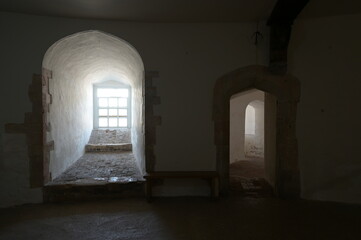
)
(254, 130)
(285, 90)
(76, 63)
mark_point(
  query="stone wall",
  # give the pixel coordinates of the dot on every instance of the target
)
(22, 153)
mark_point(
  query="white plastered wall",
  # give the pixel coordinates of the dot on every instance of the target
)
(77, 62)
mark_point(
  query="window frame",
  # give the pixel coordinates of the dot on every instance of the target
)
(110, 85)
(250, 120)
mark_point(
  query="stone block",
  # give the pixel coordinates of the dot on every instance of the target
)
(155, 100)
(49, 146)
(15, 128)
(32, 118)
(152, 74)
(151, 91)
(157, 120)
(148, 82)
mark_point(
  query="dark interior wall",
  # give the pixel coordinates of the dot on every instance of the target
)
(325, 54)
(189, 58)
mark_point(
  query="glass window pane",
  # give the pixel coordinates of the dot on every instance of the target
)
(123, 112)
(113, 122)
(112, 92)
(102, 92)
(250, 124)
(103, 112)
(123, 92)
(113, 112)
(103, 102)
(123, 102)
(113, 102)
(103, 122)
(123, 122)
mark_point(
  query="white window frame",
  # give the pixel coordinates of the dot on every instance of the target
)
(250, 120)
(110, 85)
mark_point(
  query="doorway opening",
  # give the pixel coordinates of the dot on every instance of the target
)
(281, 96)
(95, 118)
(247, 139)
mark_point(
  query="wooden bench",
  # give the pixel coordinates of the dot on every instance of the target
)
(211, 176)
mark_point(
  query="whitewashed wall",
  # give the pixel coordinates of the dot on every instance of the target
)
(77, 62)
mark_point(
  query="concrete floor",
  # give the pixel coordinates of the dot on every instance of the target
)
(183, 218)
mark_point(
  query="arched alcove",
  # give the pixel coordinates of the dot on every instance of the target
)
(239, 103)
(285, 92)
(71, 67)
(254, 130)
(250, 120)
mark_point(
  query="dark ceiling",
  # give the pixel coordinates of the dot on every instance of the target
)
(146, 10)
(173, 10)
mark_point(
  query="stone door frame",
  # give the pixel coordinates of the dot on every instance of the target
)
(286, 89)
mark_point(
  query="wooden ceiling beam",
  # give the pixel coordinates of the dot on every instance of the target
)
(280, 21)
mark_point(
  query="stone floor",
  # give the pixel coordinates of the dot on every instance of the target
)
(101, 168)
(249, 168)
(247, 178)
(183, 219)
(97, 176)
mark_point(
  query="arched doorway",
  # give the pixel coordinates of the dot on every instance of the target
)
(72, 68)
(250, 171)
(284, 91)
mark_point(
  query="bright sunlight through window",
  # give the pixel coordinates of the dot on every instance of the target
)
(112, 107)
(250, 123)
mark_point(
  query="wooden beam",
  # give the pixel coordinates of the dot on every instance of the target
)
(280, 22)
(286, 11)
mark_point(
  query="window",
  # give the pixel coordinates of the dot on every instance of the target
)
(250, 123)
(111, 107)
